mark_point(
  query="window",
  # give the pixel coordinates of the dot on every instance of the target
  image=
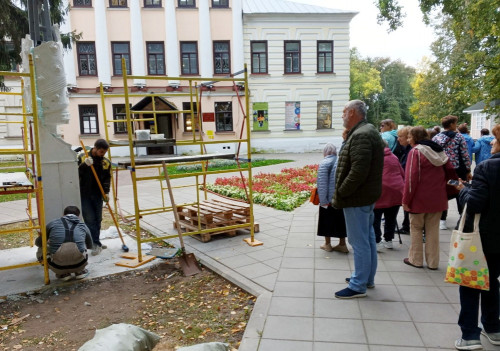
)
(223, 116)
(187, 3)
(220, 3)
(152, 3)
(82, 3)
(87, 64)
(119, 112)
(189, 57)
(188, 124)
(222, 64)
(8, 51)
(292, 56)
(259, 56)
(120, 50)
(88, 119)
(325, 56)
(156, 58)
(117, 3)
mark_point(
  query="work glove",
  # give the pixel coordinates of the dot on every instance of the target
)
(89, 161)
(105, 198)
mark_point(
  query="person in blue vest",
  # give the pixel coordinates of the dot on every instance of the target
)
(389, 133)
(482, 147)
(464, 130)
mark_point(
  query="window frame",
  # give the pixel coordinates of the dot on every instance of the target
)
(189, 6)
(223, 113)
(118, 6)
(219, 53)
(319, 55)
(187, 116)
(156, 54)
(82, 6)
(81, 118)
(220, 6)
(252, 53)
(190, 73)
(129, 68)
(78, 45)
(286, 53)
(152, 5)
(115, 108)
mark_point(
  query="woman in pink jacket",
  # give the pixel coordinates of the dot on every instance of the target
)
(390, 201)
(425, 197)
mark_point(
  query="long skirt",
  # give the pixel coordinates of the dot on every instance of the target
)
(331, 222)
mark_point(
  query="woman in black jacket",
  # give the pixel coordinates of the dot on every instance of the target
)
(483, 196)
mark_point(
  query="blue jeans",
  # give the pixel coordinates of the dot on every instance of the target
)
(469, 304)
(92, 215)
(361, 236)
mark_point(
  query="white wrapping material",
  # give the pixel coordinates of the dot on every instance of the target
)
(211, 346)
(121, 337)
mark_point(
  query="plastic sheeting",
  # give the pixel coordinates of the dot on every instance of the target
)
(122, 337)
(211, 346)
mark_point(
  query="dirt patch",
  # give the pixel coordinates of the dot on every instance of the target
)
(182, 310)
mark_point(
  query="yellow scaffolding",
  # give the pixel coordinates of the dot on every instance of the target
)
(31, 183)
(195, 87)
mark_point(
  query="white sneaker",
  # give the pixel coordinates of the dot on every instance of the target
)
(442, 225)
(388, 244)
(380, 247)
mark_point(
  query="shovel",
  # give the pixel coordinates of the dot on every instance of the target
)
(188, 262)
(124, 247)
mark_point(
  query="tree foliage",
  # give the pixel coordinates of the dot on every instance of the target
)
(472, 27)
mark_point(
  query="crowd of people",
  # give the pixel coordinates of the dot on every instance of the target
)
(376, 173)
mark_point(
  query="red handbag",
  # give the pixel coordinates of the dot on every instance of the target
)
(314, 197)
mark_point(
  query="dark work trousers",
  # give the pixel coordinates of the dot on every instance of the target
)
(469, 304)
(406, 222)
(390, 214)
(445, 212)
(92, 215)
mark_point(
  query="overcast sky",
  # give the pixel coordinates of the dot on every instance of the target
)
(409, 43)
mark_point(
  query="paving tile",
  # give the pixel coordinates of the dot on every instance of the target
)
(297, 262)
(339, 330)
(331, 276)
(267, 281)
(438, 278)
(395, 348)
(274, 263)
(392, 333)
(285, 345)
(414, 278)
(432, 312)
(330, 262)
(421, 294)
(329, 346)
(295, 275)
(255, 270)
(336, 308)
(451, 292)
(264, 255)
(294, 289)
(291, 306)
(381, 292)
(384, 311)
(300, 242)
(296, 252)
(327, 290)
(249, 344)
(288, 328)
(398, 266)
(438, 335)
(237, 261)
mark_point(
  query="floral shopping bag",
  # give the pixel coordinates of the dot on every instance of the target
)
(467, 265)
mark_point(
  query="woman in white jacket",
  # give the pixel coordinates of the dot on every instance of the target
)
(331, 221)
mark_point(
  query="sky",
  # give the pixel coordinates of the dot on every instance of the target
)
(409, 43)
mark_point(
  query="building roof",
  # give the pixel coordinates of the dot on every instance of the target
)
(283, 6)
(480, 106)
(147, 100)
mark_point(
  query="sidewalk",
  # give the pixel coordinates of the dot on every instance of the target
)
(409, 309)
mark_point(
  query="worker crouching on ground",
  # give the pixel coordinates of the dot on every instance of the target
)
(67, 242)
(90, 192)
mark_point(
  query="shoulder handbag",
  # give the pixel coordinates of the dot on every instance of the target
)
(466, 264)
(314, 197)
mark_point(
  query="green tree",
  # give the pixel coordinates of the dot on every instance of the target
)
(473, 27)
(365, 79)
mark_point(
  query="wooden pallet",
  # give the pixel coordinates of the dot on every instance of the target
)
(214, 213)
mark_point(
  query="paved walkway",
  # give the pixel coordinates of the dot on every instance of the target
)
(410, 309)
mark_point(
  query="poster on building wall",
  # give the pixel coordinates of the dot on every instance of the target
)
(324, 114)
(292, 115)
(260, 116)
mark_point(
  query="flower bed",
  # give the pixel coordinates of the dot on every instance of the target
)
(283, 191)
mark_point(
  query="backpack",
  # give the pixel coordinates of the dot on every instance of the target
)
(67, 258)
(398, 149)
